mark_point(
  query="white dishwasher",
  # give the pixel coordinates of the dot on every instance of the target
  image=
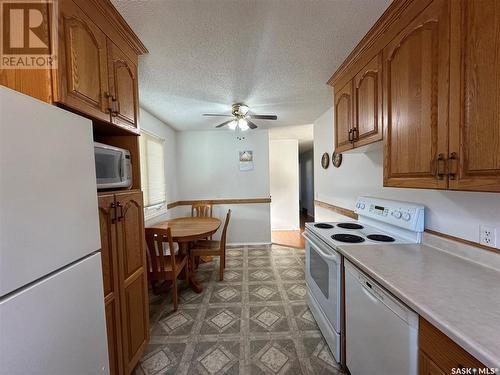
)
(381, 332)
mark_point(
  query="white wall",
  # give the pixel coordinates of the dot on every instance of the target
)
(284, 179)
(455, 213)
(208, 168)
(306, 161)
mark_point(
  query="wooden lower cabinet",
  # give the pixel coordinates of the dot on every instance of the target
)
(124, 278)
(427, 366)
(133, 276)
(438, 354)
(113, 328)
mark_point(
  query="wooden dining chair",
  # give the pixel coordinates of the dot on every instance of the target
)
(213, 248)
(201, 210)
(164, 262)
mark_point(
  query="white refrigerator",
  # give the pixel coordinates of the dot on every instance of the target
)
(52, 318)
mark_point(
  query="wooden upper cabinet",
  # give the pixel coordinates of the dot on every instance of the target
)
(133, 276)
(123, 86)
(474, 154)
(83, 72)
(416, 66)
(368, 103)
(343, 118)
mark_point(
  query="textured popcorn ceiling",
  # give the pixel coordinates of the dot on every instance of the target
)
(273, 55)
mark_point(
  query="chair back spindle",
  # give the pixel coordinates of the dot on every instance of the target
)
(201, 210)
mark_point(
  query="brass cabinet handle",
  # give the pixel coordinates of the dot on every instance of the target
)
(113, 106)
(109, 108)
(350, 137)
(440, 167)
(355, 133)
(116, 107)
(119, 205)
(453, 166)
(113, 213)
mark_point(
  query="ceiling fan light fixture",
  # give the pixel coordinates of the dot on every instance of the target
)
(232, 125)
(243, 109)
(243, 124)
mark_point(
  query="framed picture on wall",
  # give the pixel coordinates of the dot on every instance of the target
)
(246, 160)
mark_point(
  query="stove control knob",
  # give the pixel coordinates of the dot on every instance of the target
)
(396, 214)
(406, 216)
(362, 206)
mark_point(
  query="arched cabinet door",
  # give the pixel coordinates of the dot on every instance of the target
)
(343, 118)
(123, 85)
(83, 76)
(416, 101)
(132, 276)
(368, 103)
(474, 155)
(109, 256)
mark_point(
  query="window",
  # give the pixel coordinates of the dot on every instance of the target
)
(152, 169)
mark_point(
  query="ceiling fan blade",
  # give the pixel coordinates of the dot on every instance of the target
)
(264, 117)
(251, 125)
(224, 123)
(216, 114)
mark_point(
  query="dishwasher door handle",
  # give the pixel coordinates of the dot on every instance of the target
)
(369, 294)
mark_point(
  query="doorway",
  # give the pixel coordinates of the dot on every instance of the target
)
(291, 157)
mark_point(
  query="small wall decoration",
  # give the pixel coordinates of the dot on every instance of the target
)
(336, 159)
(325, 160)
(246, 160)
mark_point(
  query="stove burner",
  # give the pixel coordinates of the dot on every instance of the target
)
(380, 237)
(351, 238)
(323, 226)
(350, 226)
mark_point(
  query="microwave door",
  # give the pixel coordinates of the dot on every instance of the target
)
(108, 167)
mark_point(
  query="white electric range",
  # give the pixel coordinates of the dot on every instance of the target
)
(379, 221)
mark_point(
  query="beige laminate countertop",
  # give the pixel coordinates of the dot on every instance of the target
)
(458, 296)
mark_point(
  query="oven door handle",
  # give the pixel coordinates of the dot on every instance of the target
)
(319, 250)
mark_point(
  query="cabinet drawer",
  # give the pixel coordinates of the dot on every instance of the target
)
(442, 350)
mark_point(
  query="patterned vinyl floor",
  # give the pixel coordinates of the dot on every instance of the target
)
(254, 322)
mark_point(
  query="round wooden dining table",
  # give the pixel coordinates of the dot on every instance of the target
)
(188, 229)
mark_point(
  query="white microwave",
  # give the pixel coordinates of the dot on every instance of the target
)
(113, 167)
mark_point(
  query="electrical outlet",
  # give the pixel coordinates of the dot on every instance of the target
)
(488, 235)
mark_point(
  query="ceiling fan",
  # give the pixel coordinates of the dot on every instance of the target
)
(241, 118)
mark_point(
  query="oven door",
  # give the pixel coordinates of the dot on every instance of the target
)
(109, 167)
(323, 278)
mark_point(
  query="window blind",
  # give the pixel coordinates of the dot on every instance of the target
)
(152, 169)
